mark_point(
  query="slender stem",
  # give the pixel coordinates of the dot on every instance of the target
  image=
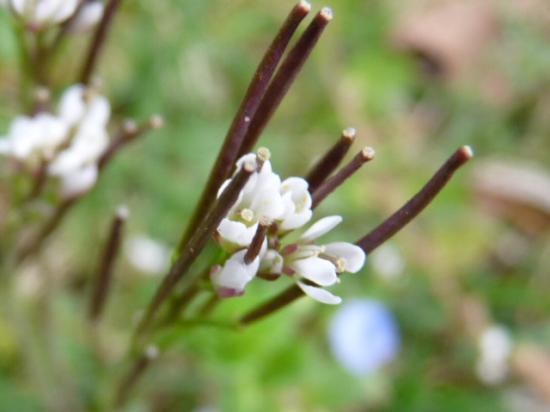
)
(98, 41)
(379, 235)
(40, 180)
(257, 241)
(128, 133)
(65, 27)
(418, 202)
(196, 243)
(209, 306)
(134, 374)
(331, 160)
(236, 133)
(285, 76)
(102, 282)
(331, 184)
(51, 224)
(180, 303)
(286, 297)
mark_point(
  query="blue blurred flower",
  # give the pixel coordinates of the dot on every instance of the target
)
(364, 336)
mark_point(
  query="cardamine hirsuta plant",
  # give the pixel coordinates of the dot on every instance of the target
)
(264, 227)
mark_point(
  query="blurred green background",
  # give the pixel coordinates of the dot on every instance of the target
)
(417, 79)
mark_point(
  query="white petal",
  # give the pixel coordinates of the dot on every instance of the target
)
(318, 270)
(296, 220)
(88, 17)
(19, 6)
(236, 233)
(97, 113)
(267, 203)
(321, 227)
(320, 294)
(64, 10)
(297, 204)
(79, 181)
(72, 106)
(353, 256)
(235, 273)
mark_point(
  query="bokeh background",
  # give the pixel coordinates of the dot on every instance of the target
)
(417, 79)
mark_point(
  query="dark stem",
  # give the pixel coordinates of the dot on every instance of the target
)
(285, 76)
(102, 283)
(283, 299)
(98, 41)
(181, 303)
(257, 241)
(196, 244)
(379, 235)
(65, 27)
(51, 224)
(236, 133)
(134, 374)
(331, 160)
(40, 180)
(417, 204)
(334, 182)
(128, 133)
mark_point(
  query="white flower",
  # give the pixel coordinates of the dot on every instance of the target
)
(42, 13)
(84, 108)
(287, 204)
(88, 17)
(87, 114)
(231, 279)
(30, 138)
(314, 267)
(78, 181)
(297, 201)
(260, 198)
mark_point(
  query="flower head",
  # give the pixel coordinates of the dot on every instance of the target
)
(288, 204)
(39, 14)
(231, 278)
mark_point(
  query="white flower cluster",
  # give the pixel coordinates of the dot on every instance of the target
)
(41, 14)
(70, 141)
(285, 206)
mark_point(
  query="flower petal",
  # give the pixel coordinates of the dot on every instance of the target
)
(319, 271)
(79, 181)
(236, 233)
(88, 17)
(235, 273)
(321, 227)
(320, 294)
(353, 256)
(297, 202)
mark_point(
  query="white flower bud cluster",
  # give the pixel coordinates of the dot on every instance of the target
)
(287, 205)
(70, 141)
(42, 14)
